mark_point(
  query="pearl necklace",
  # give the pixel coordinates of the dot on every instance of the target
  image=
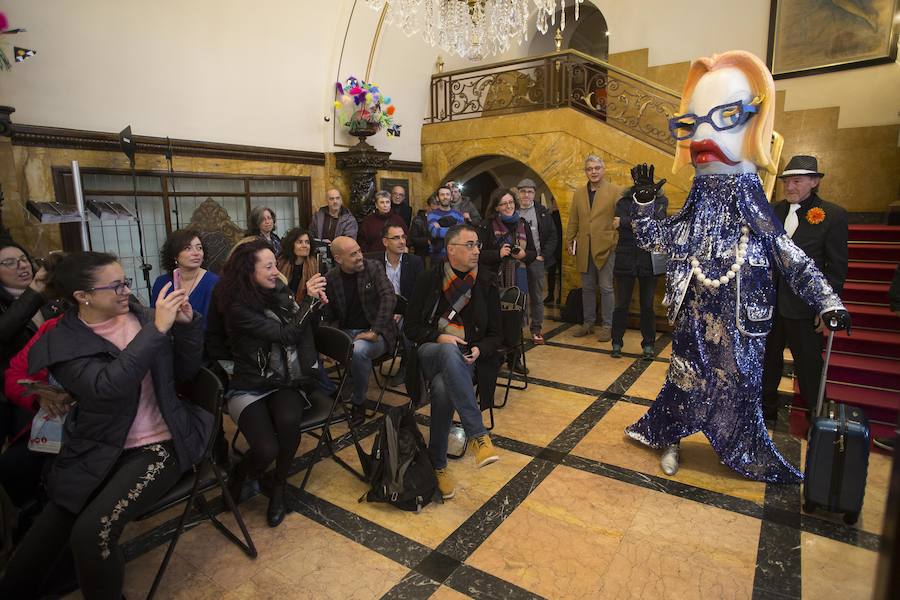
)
(739, 260)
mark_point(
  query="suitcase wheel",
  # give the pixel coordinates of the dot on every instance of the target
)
(809, 507)
(851, 518)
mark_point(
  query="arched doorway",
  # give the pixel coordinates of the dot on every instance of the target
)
(589, 34)
(481, 175)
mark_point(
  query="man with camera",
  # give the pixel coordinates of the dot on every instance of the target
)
(359, 298)
(454, 318)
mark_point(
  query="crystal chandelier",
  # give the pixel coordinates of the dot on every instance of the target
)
(473, 29)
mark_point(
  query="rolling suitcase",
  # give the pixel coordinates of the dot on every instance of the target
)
(837, 457)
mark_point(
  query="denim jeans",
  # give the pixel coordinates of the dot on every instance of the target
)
(590, 281)
(537, 290)
(451, 388)
(361, 364)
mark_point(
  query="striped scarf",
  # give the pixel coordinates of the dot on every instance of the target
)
(458, 292)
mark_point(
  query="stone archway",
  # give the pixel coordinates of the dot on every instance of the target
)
(589, 34)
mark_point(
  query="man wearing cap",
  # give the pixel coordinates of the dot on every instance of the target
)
(543, 232)
(462, 204)
(591, 236)
(819, 228)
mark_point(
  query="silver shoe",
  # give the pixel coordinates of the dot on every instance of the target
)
(669, 460)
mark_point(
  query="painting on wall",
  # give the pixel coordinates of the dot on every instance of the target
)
(808, 37)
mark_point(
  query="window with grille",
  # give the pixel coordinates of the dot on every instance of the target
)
(166, 202)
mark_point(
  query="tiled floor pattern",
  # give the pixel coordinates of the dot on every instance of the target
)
(573, 509)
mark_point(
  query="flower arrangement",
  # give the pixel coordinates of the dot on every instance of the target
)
(362, 107)
(815, 215)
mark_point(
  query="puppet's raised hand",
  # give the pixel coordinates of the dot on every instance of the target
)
(644, 188)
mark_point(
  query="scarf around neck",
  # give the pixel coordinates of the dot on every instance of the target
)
(457, 291)
(503, 235)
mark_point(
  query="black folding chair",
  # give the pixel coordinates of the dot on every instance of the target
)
(389, 358)
(205, 391)
(512, 309)
(327, 411)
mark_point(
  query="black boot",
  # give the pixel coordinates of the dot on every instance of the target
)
(275, 512)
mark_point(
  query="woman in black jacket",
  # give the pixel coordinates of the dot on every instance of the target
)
(634, 263)
(274, 355)
(128, 437)
(507, 244)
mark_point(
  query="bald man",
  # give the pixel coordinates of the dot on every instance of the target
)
(358, 297)
(333, 219)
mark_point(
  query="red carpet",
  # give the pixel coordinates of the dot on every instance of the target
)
(865, 367)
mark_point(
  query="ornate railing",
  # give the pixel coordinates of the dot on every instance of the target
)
(569, 78)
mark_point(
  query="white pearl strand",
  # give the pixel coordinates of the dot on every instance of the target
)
(739, 260)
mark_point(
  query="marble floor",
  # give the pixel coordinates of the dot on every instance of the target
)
(573, 509)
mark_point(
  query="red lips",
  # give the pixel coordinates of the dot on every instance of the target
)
(707, 151)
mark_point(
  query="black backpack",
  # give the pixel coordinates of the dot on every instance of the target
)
(399, 468)
(572, 311)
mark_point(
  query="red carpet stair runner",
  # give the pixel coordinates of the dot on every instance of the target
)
(865, 367)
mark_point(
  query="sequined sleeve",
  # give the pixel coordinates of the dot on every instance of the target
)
(651, 235)
(802, 275)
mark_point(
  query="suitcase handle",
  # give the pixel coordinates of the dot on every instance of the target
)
(821, 397)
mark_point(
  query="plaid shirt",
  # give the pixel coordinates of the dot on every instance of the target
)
(376, 294)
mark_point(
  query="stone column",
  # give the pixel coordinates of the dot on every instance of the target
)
(362, 161)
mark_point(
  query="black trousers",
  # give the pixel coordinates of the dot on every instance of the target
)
(806, 346)
(271, 427)
(21, 471)
(647, 291)
(138, 479)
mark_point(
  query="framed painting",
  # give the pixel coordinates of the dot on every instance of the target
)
(807, 37)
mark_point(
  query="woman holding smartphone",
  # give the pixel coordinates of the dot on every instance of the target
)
(296, 261)
(128, 437)
(182, 259)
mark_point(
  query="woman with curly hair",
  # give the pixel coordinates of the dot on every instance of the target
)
(182, 259)
(296, 261)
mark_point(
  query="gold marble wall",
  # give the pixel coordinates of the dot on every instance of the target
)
(553, 144)
(26, 174)
(862, 164)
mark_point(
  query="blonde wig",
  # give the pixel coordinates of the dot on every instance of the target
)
(758, 138)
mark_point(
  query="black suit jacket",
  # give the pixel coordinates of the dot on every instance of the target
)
(825, 243)
(410, 267)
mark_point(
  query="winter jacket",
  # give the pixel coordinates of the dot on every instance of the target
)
(346, 224)
(369, 237)
(632, 261)
(105, 383)
(547, 233)
(376, 295)
(490, 247)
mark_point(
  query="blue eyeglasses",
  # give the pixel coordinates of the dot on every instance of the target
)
(722, 118)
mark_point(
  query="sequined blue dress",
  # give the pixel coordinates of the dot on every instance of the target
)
(714, 381)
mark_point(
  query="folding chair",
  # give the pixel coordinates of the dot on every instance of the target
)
(205, 391)
(512, 309)
(388, 357)
(326, 411)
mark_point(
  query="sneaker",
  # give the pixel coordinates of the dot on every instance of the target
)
(617, 351)
(605, 334)
(446, 485)
(538, 339)
(669, 460)
(483, 448)
(648, 352)
(584, 330)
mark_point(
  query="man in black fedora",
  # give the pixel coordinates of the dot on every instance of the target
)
(819, 228)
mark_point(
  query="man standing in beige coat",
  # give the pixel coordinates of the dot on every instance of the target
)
(591, 237)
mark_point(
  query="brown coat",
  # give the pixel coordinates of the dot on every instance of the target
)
(592, 226)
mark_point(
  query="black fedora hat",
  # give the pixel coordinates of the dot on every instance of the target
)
(802, 165)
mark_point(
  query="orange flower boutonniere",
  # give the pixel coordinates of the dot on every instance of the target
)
(814, 216)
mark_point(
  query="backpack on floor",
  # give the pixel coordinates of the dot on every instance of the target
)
(400, 471)
(573, 311)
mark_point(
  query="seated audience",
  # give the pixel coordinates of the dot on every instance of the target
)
(442, 218)
(634, 263)
(507, 250)
(262, 225)
(129, 436)
(419, 238)
(462, 204)
(372, 225)
(358, 298)
(402, 270)
(333, 220)
(400, 206)
(182, 252)
(23, 308)
(297, 262)
(272, 346)
(454, 318)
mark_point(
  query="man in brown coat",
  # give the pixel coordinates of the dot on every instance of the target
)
(591, 237)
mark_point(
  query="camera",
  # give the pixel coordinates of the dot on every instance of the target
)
(514, 249)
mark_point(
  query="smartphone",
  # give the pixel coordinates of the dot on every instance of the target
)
(465, 349)
(176, 279)
(28, 383)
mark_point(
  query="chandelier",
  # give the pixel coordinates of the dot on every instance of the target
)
(473, 29)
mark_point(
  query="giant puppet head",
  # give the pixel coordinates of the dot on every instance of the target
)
(724, 125)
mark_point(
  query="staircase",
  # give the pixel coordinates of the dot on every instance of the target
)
(865, 366)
